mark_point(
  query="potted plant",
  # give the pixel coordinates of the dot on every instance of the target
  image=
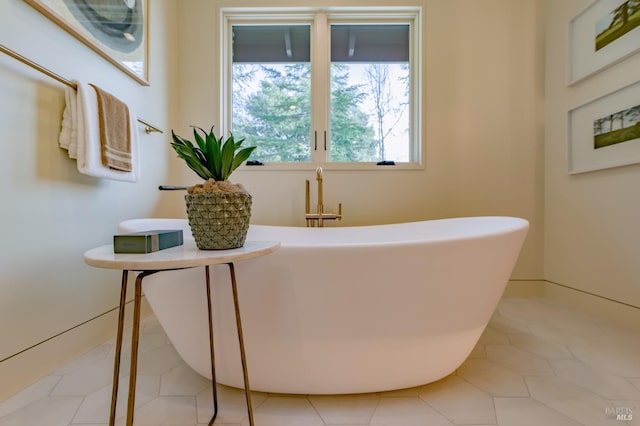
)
(218, 210)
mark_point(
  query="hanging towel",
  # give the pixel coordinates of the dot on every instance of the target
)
(69, 131)
(88, 141)
(115, 132)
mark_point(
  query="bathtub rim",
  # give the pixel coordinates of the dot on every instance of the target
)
(511, 224)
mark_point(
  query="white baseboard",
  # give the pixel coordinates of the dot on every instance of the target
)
(524, 288)
(619, 313)
(26, 368)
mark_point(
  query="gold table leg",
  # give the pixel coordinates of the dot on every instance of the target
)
(211, 349)
(245, 373)
(134, 347)
(116, 363)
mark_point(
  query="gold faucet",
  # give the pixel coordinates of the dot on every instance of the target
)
(319, 216)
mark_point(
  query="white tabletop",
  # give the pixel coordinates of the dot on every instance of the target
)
(184, 256)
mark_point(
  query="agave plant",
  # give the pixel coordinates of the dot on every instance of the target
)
(211, 157)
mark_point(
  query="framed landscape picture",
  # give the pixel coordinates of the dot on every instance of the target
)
(115, 29)
(605, 32)
(605, 132)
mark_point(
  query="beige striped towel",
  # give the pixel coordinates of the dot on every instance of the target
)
(115, 131)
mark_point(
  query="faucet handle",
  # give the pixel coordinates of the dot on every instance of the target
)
(307, 199)
(339, 215)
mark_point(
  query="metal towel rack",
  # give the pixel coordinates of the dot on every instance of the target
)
(148, 128)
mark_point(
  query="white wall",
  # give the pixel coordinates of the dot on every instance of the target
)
(592, 237)
(50, 213)
(483, 117)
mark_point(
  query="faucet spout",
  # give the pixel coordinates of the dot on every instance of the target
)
(319, 216)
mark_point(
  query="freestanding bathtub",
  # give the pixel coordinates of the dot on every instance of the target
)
(343, 310)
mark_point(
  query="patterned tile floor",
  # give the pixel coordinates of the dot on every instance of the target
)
(537, 363)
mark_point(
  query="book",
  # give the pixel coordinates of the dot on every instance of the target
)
(147, 241)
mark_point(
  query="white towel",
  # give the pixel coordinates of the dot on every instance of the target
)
(87, 141)
(69, 131)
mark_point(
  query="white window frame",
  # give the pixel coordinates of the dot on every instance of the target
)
(319, 20)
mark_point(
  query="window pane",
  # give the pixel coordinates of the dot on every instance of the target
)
(271, 91)
(271, 43)
(370, 43)
(370, 93)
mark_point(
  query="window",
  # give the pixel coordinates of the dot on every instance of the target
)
(369, 89)
(326, 87)
(271, 90)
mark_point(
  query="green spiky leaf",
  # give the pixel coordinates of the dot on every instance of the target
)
(242, 156)
(199, 140)
(228, 154)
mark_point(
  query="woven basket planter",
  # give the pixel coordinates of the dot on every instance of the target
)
(219, 220)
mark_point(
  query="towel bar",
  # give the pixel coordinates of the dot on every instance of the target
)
(148, 128)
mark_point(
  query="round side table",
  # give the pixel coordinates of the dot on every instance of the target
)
(180, 257)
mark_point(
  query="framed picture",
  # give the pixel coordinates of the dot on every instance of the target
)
(115, 29)
(605, 132)
(603, 33)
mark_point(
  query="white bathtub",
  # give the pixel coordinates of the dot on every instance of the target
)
(343, 310)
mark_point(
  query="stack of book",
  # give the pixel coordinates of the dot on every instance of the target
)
(147, 241)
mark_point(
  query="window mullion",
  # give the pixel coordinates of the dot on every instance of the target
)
(225, 76)
(320, 60)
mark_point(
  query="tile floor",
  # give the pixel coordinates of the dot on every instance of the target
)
(538, 363)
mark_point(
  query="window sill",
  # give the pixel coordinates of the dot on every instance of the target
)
(333, 166)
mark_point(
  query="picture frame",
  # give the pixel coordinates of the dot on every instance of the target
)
(118, 30)
(603, 33)
(605, 132)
